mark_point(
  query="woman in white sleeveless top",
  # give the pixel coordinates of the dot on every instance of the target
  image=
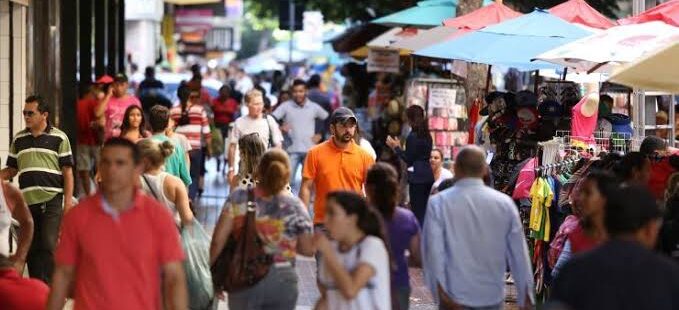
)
(164, 187)
(12, 205)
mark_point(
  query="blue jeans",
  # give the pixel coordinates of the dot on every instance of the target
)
(278, 290)
(296, 160)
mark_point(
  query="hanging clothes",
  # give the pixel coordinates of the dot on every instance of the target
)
(473, 119)
(582, 127)
(541, 198)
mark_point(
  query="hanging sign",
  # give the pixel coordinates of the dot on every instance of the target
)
(442, 97)
(383, 60)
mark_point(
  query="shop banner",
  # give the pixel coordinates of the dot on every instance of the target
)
(383, 60)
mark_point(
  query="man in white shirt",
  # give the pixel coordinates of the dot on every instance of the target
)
(244, 83)
(255, 121)
(299, 117)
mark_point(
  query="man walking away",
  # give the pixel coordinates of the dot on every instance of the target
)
(299, 116)
(177, 163)
(41, 156)
(471, 232)
(624, 272)
(152, 91)
(119, 249)
(322, 99)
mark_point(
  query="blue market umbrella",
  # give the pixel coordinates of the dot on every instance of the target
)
(426, 14)
(512, 43)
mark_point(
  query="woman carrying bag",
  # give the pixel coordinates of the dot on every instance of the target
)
(255, 263)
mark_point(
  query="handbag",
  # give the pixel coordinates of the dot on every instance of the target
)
(243, 261)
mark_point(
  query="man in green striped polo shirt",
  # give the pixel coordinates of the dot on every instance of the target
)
(41, 156)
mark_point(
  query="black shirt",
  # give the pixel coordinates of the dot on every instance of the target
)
(618, 275)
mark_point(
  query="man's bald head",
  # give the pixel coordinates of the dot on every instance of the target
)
(470, 162)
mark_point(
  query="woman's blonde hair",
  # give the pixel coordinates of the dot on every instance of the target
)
(251, 94)
(273, 171)
(156, 152)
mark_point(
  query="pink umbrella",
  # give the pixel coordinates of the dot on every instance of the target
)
(579, 12)
(667, 12)
(491, 14)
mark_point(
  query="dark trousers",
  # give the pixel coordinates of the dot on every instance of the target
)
(196, 157)
(419, 195)
(47, 219)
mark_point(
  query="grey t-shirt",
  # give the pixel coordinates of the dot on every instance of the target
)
(302, 122)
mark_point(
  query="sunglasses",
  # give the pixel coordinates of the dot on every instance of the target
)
(28, 113)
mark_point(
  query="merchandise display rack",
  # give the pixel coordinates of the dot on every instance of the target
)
(445, 104)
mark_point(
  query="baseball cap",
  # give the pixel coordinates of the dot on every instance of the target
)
(104, 79)
(342, 115)
(120, 78)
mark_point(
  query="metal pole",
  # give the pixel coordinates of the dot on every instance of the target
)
(639, 103)
(291, 15)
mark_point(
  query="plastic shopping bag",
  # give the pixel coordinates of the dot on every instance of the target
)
(196, 243)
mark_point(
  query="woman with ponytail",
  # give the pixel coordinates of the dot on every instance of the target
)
(382, 190)
(283, 225)
(164, 187)
(355, 269)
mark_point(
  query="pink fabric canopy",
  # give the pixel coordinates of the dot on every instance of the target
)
(578, 11)
(491, 14)
(667, 12)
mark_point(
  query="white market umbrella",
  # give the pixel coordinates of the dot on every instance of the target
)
(602, 52)
(394, 35)
(658, 71)
(426, 38)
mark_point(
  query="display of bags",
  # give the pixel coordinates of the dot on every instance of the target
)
(243, 261)
(196, 244)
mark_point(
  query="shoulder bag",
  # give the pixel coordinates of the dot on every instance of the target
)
(243, 261)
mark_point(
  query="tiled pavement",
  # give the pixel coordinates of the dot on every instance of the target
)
(207, 212)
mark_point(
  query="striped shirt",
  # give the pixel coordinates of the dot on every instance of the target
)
(197, 128)
(39, 161)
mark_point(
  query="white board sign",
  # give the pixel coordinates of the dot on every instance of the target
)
(383, 60)
(442, 97)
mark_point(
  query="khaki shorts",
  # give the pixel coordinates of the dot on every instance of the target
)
(88, 156)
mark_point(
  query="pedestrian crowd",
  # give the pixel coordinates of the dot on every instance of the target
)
(131, 240)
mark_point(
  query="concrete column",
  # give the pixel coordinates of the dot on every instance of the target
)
(85, 44)
(100, 37)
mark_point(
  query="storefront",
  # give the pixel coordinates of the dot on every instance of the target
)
(13, 69)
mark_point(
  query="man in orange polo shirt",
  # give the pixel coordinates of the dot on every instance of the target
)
(336, 164)
(119, 249)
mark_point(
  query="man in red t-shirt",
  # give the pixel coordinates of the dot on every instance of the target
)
(119, 249)
(224, 108)
(664, 162)
(90, 113)
(18, 293)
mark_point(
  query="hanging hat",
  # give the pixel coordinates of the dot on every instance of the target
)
(490, 99)
(526, 98)
(550, 109)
